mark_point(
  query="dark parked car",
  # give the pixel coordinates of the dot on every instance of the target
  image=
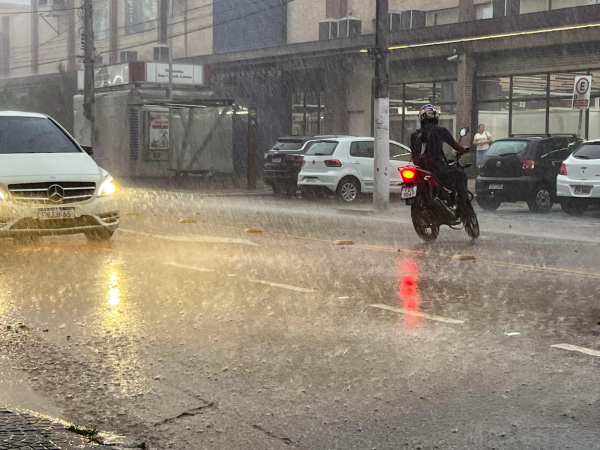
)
(523, 168)
(284, 161)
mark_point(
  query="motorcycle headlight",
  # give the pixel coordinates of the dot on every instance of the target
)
(107, 188)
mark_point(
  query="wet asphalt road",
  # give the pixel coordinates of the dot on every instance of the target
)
(201, 335)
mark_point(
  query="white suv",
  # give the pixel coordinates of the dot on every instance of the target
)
(578, 185)
(345, 167)
(49, 185)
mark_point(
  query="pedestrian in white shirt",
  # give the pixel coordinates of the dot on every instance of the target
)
(482, 140)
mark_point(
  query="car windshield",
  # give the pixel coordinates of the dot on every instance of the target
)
(507, 148)
(288, 145)
(33, 135)
(322, 148)
(588, 151)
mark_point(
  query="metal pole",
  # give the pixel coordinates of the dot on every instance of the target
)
(88, 61)
(381, 112)
(580, 122)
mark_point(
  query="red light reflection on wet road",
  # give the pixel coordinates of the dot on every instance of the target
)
(408, 290)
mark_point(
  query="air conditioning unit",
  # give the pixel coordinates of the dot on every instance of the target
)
(395, 21)
(349, 27)
(161, 53)
(129, 56)
(328, 29)
(52, 7)
(412, 19)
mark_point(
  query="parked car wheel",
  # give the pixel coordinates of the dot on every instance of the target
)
(540, 199)
(348, 190)
(489, 203)
(573, 207)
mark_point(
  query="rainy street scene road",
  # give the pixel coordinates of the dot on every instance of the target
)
(328, 329)
(299, 224)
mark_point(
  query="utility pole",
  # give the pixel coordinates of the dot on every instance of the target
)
(381, 113)
(88, 62)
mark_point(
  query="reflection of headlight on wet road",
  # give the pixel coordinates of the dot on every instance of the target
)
(107, 188)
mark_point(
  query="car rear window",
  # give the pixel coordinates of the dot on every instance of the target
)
(588, 151)
(33, 135)
(507, 148)
(288, 145)
(322, 148)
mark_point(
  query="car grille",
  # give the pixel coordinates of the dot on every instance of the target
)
(55, 224)
(62, 192)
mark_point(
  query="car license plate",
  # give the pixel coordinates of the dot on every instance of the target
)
(409, 192)
(56, 213)
(583, 190)
(496, 186)
(276, 160)
(311, 180)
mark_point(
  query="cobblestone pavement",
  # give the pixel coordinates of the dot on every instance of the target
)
(17, 432)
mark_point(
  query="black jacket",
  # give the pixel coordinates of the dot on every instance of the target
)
(427, 147)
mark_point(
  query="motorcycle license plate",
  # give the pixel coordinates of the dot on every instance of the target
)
(583, 190)
(409, 191)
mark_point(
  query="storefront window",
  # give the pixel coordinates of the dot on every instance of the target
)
(484, 11)
(563, 118)
(493, 88)
(530, 86)
(495, 118)
(561, 84)
(308, 116)
(529, 117)
(531, 6)
(559, 4)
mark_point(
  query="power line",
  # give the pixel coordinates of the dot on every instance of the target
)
(283, 2)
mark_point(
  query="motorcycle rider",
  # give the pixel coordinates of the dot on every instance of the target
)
(426, 145)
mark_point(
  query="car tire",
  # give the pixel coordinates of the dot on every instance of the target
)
(348, 190)
(540, 200)
(488, 204)
(98, 235)
(573, 207)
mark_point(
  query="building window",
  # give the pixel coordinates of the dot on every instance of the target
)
(406, 100)
(101, 19)
(140, 15)
(536, 104)
(308, 113)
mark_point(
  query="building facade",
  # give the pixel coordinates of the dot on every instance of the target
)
(509, 64)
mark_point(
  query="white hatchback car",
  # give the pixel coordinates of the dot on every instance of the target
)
(345, 167)
(50, 185)
(578, 185)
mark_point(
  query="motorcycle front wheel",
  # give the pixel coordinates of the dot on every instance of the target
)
(472, 226)
(426, 230)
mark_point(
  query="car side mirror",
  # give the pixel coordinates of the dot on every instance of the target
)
(88, 150)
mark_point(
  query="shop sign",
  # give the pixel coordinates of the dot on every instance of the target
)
(582, 92)
(107, 76)
(182, 74)
(158, 130)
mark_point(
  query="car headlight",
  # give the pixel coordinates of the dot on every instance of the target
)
(107, 187)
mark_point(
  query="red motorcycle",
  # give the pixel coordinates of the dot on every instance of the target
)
(433, 205)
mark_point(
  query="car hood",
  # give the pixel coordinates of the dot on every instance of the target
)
(47, 164)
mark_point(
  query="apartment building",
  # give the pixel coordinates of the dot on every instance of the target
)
(507, 63)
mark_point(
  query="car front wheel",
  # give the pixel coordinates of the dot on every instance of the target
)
(348, 190)
(540, 200)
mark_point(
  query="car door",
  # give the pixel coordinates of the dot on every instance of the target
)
(361, 157)
(400, 156)
(550, 154)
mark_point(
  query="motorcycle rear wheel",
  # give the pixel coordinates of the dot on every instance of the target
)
(427, 231)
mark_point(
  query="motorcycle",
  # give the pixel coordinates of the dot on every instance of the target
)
(433, 205)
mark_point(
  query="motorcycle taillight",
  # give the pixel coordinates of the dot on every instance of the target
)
(409, 174)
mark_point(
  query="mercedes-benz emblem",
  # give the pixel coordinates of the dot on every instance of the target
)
(56, 193)
(498, 164)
